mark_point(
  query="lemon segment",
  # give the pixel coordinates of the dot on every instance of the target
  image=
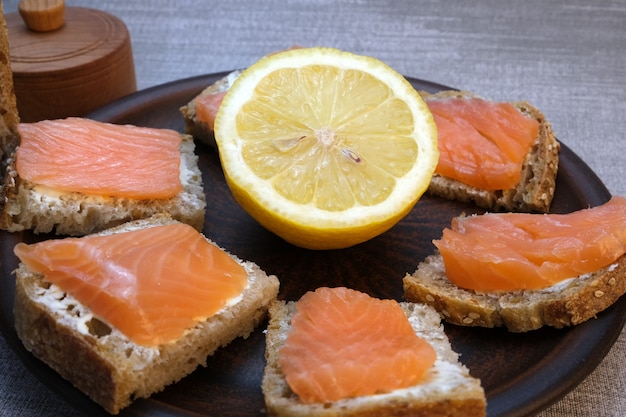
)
(325, 148)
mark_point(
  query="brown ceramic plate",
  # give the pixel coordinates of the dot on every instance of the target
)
(521, 373)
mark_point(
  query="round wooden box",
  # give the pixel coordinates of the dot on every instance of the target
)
(72, 70)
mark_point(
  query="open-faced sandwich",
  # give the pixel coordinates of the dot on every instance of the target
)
(340, 352)
(500, 156)
(123, 313)
(75, 176)
(524, 271)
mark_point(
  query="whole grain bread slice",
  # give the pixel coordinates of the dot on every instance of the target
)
(28, 206)
(9, 118)
(25, 205)
(567, 303)
(448, 389)
(535, 190)
(196, 128)
(101, 361)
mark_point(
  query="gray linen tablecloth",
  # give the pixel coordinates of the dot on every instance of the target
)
(566, 57)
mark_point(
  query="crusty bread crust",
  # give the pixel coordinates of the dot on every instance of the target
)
(9, 118)
(447, 390)
(565, 304)
(26, 206)
(199, 130)
(535, 190)
(105, 364)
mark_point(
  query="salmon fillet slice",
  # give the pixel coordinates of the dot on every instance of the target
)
(482, 143)
(513, 251)
(90, 157)
(344, 343)
(151, 284)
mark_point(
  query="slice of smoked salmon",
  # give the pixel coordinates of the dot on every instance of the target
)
(482, 143)
(90, 157)
(459, 159)
(207, 106)
(344, 343)
(513, 251)
(151, 284)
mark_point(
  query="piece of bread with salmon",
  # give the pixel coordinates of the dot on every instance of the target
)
(103, 362)
(529, 271)
(535, 190)
(28, 206)
(446, 390)
(199, 124)
(202, 130)
(565, 304)
(25, 205)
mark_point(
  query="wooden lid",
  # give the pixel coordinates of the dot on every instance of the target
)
(71, 70)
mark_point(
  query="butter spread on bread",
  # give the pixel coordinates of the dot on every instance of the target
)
(446, 389)
(582, 271)
(26, 205)
(106, 364)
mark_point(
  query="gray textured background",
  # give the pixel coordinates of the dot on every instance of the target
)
(566, 57)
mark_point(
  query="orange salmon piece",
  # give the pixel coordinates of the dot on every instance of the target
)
(459, 159)
(482, 143)
(151, 284)
(90, 157)
(207, 107)
(344, 343)
(514, 251)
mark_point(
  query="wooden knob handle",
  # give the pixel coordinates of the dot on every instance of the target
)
(42, 15)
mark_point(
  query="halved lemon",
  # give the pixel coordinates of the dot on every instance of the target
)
(325, 148)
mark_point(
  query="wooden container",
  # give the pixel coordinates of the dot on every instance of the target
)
(69, 70)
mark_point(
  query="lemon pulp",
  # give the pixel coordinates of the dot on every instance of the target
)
(325, 148)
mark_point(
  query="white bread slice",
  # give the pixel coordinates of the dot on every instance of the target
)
(105, 364)
(28, 206)
(567, 303)
(447, 390)
(535, 190)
